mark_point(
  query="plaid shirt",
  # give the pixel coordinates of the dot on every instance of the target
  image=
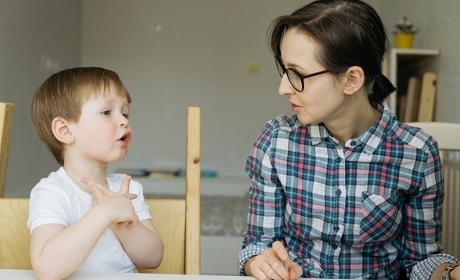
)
(365, 210)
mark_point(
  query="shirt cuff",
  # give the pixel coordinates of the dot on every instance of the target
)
(424, 269)
(245, 254)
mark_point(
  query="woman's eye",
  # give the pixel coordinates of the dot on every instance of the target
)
(107, 113)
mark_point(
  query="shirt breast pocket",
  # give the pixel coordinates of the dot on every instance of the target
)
(381, 218)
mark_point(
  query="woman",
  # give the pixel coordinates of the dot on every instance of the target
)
(342, 189)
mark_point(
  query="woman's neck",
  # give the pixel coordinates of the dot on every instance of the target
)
(357, 119)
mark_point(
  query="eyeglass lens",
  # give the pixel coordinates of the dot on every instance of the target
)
(294, 79)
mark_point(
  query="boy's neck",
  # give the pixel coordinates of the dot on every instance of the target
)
(95, 174)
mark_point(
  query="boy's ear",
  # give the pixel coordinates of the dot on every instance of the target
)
(354, 80)
(61, 130)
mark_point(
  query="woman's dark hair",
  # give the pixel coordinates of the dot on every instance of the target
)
(350, 33)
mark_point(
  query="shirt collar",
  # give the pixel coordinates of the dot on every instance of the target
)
(373, 137)
(370, 139)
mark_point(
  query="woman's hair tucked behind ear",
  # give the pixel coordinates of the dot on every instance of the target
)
(349, 33)
(63, 94)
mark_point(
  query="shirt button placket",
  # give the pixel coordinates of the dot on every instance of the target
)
(340, 210)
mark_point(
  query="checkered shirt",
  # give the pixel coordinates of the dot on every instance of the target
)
(367, 209)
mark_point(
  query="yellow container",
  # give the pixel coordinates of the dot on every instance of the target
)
(404, 40)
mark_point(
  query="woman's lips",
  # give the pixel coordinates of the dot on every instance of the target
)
(295, 107)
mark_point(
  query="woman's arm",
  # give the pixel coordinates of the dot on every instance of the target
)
(434, 266)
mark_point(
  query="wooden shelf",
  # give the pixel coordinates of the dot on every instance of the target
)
(402, 60)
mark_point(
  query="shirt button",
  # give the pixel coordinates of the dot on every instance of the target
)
(338, 192)
(353, 142)
(338, 159)
(334, 246)
(336, 228)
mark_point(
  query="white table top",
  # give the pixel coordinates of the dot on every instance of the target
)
(29, 275)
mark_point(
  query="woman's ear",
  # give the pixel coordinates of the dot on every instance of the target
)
(354, 80)
(61, 130)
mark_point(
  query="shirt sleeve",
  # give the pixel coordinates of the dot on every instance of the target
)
(48, 207)
(424, 269)
(422, 235)
(266, 201)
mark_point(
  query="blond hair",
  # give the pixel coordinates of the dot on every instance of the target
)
(63, 95)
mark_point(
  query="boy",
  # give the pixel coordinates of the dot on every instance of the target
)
(82, 218)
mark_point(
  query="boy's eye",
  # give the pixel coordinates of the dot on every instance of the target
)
(107, 113)
(126, 115)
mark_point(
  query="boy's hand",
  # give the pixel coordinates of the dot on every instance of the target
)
(118, 205)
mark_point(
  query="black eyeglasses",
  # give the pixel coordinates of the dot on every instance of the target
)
(294, 77)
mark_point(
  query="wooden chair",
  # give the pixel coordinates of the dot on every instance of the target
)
(177, 220)
(14, 234)
(448, 137)
(6, 125)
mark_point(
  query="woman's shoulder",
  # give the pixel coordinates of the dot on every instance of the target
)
(283, 122)
(414, 136)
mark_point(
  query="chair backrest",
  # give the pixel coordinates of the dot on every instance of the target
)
(6, 125)
(448, 137)
(14, 234)
(447, 134)
(177, 220)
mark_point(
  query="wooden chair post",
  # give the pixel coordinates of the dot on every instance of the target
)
(6, 125)
(192, 189)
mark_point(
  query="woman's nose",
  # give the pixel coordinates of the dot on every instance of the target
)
(285, 87)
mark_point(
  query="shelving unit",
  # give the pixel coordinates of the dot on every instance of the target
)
(400, 60)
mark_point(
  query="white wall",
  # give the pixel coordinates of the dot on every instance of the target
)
(198, 58)
(32, 33)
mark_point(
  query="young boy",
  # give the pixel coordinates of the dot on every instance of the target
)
(82, 218)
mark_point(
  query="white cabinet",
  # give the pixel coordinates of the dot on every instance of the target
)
(400, 64)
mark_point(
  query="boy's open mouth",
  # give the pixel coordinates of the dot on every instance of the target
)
(125, 137)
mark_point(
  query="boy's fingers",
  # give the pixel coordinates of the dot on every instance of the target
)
(84, 180)
(92, 185)
(125, 185)
(96, 193)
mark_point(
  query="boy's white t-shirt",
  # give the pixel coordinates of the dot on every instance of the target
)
(58, 200)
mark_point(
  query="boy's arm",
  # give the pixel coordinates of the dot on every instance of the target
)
(57, 251)
(142, 243)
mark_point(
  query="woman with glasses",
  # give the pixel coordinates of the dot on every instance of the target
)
(341, 189)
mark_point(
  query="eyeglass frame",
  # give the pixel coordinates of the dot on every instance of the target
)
(301, 77)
